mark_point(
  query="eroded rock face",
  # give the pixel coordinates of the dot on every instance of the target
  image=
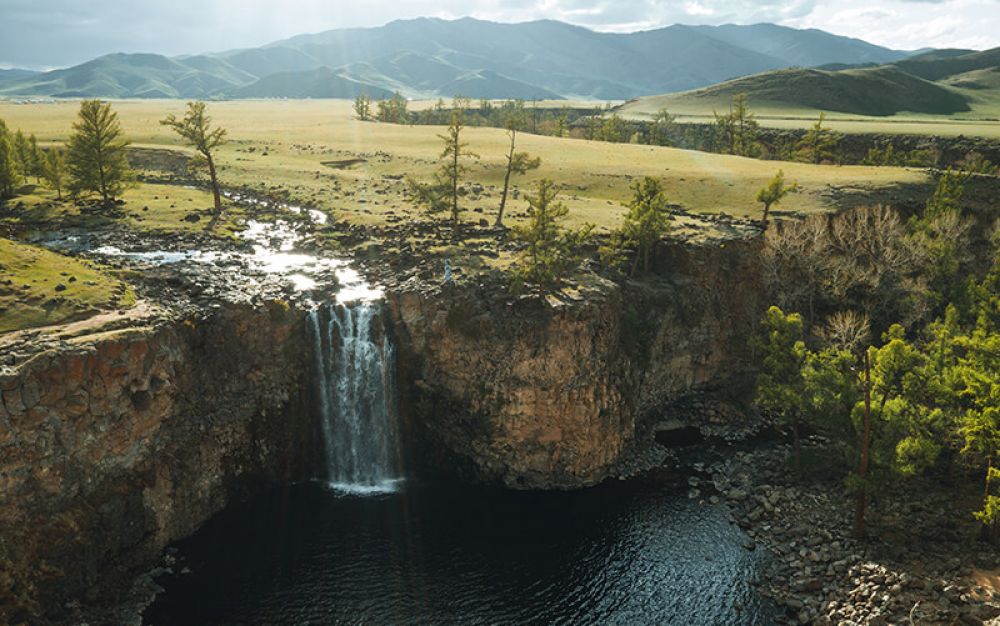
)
(115, 444)
(551, 393)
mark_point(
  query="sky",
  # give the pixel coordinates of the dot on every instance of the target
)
(44, 34)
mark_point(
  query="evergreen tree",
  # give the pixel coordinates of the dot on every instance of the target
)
(745, 127)
(35, 159)
(646, 222)
(10, 171)
(562, 124)
(518, 163)
(780, 385)
(550, 249)
(54, 169)
(443, 192)
(724, 139)
(363, 107)
(881, 156)
(96, 160)
(454, 150)
(22, 150)
(773, 193)
(663, 126)
(195, 128)
(393, 110)
(819, 144)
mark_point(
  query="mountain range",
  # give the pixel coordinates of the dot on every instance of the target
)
(940, 82)
(432, 57)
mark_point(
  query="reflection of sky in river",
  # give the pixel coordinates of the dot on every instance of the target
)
(273, 253)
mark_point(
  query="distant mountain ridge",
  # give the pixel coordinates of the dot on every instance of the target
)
(430, 57)
(942, 82)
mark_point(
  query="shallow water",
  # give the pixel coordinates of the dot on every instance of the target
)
(624, 553)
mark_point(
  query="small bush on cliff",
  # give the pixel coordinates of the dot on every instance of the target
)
(551, 250)
(773, 193)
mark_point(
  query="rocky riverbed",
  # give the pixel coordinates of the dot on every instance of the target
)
(922, 563)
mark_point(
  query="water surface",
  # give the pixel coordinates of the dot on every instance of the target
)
(623, 553)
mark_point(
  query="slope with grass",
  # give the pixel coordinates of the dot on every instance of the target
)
(322, 82)
(877, 91)
(42, 288)
(944, 92)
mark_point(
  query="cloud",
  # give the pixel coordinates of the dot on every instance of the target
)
(38, 33)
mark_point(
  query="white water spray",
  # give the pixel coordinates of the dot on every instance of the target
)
(356, 390)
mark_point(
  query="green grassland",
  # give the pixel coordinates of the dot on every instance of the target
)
(921, 96)
(42, 288)
(314, 152)
(318, 154)
(148, 208)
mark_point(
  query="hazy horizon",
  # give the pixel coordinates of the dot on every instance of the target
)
(47, 34)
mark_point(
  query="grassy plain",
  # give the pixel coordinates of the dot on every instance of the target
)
(982, 121)
(315, 153)
(320, 155)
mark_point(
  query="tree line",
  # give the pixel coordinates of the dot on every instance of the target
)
(886, 337)
(93, 164)
(735, 131)
(550, 248)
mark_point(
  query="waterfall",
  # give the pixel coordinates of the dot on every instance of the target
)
(357, 397)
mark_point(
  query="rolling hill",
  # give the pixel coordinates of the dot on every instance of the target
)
(133, 76)
(322, 82)
(938, 83)
(433, 57)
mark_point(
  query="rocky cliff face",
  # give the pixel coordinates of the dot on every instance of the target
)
(119, 438)
(553, 392)
(115, 443)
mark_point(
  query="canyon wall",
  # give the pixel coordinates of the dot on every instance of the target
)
(118, 440)
(115, 443)
(553, 391)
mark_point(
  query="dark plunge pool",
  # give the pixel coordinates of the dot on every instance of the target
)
(622, 553)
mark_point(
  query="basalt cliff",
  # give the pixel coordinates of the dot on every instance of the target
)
(120, 436)
(563, 391)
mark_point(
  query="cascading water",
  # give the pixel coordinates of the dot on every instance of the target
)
(357, 400)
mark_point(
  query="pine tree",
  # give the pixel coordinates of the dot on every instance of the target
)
(10, 172)
(393, 110)
(646, 222)
(819, 144)
(363, 107)
(196, 129)
(745, 127)
(443, 192)
(35, 158)
(22, 150)
(663, 125)
(96, 159)
(780, 385)
(518, 163)
(550, 249)
(54, 169)
(773, 193)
